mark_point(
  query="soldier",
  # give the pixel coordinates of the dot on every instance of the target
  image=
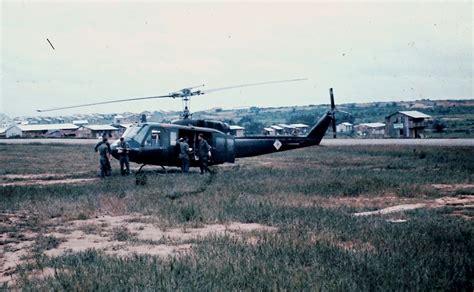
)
(123, 149)
(184, 154)
(103, 147)
(204, 153)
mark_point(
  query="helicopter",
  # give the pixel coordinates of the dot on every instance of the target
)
(153, 143)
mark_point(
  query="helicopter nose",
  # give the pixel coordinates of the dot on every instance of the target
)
(114, 149)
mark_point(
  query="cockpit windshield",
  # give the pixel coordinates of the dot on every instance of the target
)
(131, 131)
(136, 133)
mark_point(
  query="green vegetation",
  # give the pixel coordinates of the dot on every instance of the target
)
(43, 243)
(455, 116)
(309, 195)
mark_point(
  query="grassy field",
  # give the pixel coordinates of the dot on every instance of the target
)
(308, 197)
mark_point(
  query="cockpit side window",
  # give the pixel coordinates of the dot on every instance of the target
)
(153, 138)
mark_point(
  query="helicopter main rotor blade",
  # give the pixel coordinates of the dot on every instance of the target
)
(251, 84)
(103, 102)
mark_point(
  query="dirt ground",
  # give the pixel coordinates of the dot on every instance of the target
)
(115, 235)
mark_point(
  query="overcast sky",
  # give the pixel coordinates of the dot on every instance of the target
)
(113, 50)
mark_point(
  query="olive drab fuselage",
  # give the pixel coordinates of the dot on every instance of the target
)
(157, 143)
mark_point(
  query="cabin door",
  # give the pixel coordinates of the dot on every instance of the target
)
(223, 149)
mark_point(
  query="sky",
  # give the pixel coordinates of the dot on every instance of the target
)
(104, 50)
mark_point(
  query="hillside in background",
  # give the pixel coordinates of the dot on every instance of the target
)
(451, 118)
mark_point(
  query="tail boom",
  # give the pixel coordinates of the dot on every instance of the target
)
(248, 146)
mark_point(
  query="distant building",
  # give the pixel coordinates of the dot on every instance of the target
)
(237, 131)
(406, 124)
(370, 130)
(32, 131)
(118, 119)
(277, 130)
(10, 132)
(96, 131)
(80, 122)
(269, 131)
(121, 128)
(345, 128)
(285, 129)
(299, 129)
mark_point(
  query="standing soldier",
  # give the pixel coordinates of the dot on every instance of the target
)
(184, 154)
(103, 147)
(204, 153)
(123, 149)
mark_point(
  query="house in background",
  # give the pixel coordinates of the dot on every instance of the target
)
(345, 128)
(237, 131)
(97, 131)
(406, 124)
(287, 129)
(370, 130)
(118, 119)
(300, 129)
(278, 130)
(80, 122)
(51, 130)
(121, 128)
(269, 131)
(12, 131)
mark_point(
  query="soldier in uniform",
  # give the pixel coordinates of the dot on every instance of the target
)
(184, 154)
(103, 147)
(123, 149)
(204, 153)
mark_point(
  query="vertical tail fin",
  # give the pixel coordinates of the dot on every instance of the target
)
(318, 131)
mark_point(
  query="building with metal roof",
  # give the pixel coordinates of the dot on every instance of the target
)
(406, 124)
(10, 132)
(47, 127)
(237, 131)
(42, 130)
(345, 128)
(97, 131)
(415, 114)
(80, 122)
(370, 130)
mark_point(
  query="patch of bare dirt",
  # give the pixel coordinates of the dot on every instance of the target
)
(382, 201)
(462, 214)
(452, 187)
(49, 182)
(115, 235)
(12, 255)
(41, 179)
(460, 201)
(37, 176)
(149, 231)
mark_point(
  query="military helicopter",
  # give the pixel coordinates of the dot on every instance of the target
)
(156, 143)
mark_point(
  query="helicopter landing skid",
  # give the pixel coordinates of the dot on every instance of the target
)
(141, 178)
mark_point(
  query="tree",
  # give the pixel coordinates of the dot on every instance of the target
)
(438, 126)
(251, 126)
